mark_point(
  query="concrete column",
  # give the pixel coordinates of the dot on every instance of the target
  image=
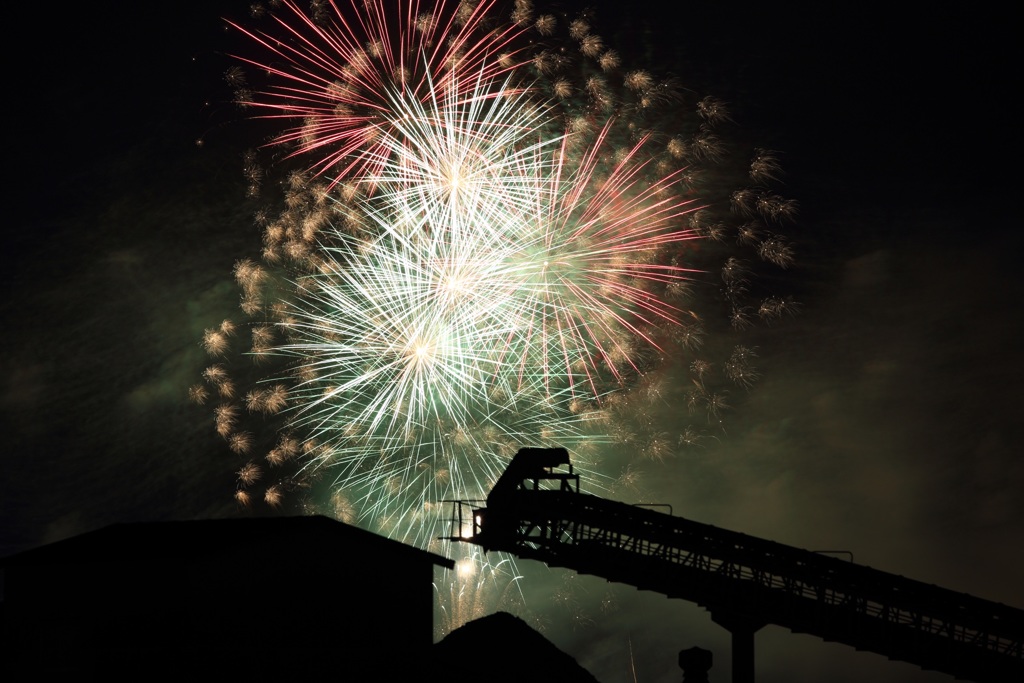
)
(742, 629)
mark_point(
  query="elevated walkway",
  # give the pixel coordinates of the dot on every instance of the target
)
(536, 511)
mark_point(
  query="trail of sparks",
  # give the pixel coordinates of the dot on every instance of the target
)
(482, 254)
(334, 71)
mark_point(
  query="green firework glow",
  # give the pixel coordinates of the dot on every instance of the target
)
(490, 242)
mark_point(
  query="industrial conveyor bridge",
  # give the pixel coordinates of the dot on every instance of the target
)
(535, 511)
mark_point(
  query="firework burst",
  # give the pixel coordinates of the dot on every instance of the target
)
(336, 68)
(491, 240)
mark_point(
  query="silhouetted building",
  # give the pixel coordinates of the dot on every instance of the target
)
(262, 599)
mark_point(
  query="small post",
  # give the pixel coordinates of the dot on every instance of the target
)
(695, 663)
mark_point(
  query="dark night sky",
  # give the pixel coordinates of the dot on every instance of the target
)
(888, 422)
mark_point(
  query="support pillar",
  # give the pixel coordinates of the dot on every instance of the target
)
(742, 629)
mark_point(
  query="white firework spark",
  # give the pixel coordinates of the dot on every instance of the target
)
(484, 252)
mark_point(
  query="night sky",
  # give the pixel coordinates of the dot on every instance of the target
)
(888, 421)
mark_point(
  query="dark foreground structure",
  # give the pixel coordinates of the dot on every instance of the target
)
(535, 511)
(308, 598)
(270, 599)
(264, 599)
(502, 648)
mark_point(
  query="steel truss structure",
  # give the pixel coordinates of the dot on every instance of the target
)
(535, 511)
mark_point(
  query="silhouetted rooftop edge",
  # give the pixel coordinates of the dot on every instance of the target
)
(172, 539)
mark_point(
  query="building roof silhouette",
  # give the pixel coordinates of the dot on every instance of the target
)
(264, 597)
